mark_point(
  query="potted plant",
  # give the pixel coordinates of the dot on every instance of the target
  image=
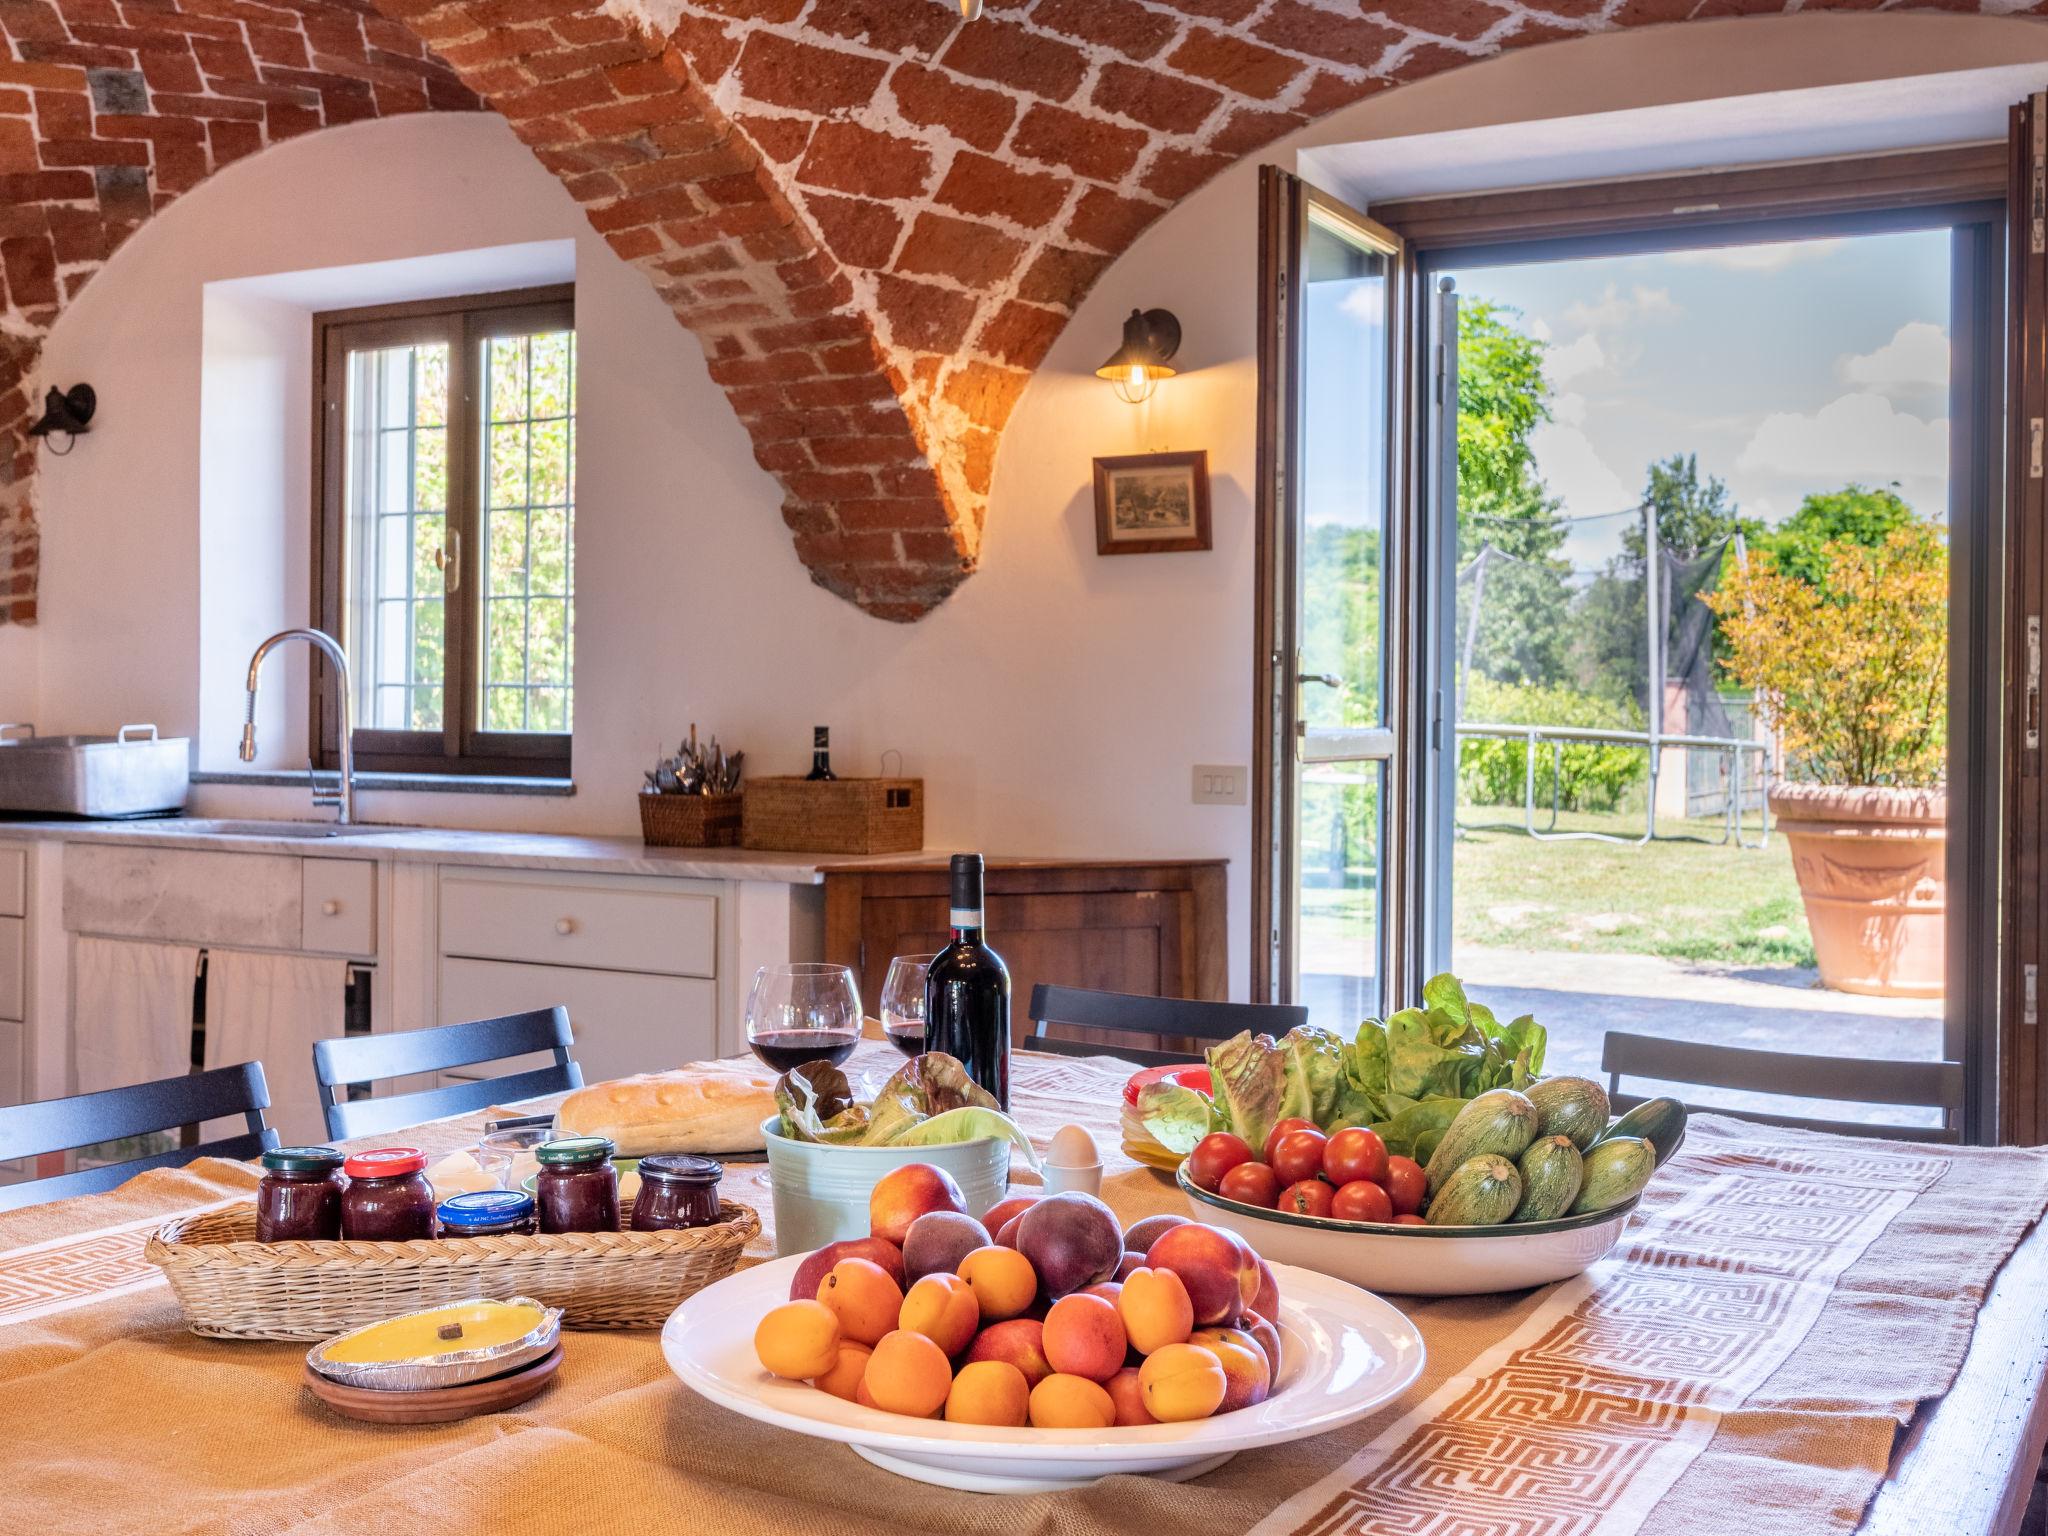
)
(1851, 670)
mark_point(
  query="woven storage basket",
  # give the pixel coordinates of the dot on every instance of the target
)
(689, 821)
(833, 815)
(233, 1287)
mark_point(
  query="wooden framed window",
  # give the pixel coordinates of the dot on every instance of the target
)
(444, 471)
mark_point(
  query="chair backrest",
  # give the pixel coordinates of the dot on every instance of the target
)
(1125, 1014)
(348, 1059)
(86, 1119)
(1841, 1079)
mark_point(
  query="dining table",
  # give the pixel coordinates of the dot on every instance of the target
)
(1796, 1333)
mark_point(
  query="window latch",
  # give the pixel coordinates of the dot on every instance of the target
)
(448, 560)
(2031, 711)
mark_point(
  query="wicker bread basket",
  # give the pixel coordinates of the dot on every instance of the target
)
(233, 1287)
(833, 815)
(689, 821)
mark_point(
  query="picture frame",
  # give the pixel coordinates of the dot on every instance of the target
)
(1152, 503)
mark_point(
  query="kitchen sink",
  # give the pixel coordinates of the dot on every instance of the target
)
(214, 826)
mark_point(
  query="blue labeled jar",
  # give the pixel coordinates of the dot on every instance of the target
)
(488, 1213)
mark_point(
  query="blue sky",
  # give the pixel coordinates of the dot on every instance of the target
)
(1789, 368)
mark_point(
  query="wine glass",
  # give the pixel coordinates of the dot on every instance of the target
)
(803, 1012)
(903, 1002)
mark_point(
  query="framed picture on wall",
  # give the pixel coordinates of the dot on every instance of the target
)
(1152, 503)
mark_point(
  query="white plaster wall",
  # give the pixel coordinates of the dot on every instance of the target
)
(1054, 705)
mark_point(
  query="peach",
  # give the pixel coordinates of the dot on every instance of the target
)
(1266, 1299)
(908, 1373)
(816, 1265)
(1143, 1234)
(1006, 1234)
(863, 1298)
(1020, 1341)
(1156, 1310)
(1260, 1327)
(903, 1194)
(1248, 1377)
(999, 1215)
(1129, 1262)
(1181, 1382)
(939, 1240)
(1128, 1394)
(1071, 1402)
(843, 1380)
(943, 1309)
(1003, 1281)
(1211, 1264)
(1084, 1337)
(798, 1340)
(989, 1392)
(1108, 1290)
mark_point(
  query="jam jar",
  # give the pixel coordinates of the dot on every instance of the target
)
(388, 1199)
(578, 1189)
(487, 1213)
(677, 1191)
(299, 1200)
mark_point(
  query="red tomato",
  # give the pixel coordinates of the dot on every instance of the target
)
(1409, 1219)
(1214, 1156)
(1361, 1200)
(1298, 1155)
(1253, 1183)
(1310, 1197)
(1407, 1184)
(1281, 1128)
(1355, 1153)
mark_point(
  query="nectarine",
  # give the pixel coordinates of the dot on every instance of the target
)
(1020, 1341)
(1084, 1337)
(1128, 1394)
(1246, 1373)
(903, 1194)
(1212, 1264)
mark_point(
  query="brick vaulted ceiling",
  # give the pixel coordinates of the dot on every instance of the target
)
(875, 217)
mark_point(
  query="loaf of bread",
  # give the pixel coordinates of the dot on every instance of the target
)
(707, 1106)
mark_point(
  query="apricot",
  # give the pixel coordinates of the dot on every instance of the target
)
(1084, 1337)
(798, 1340)
(1071, 1402)
(1155, 1309)
(1128, 1393)
(989, 1392)
(1247, 1375)
(943, 1309)
(1181, 1382)
(862, 1395)
(863, 1298)
(1020, 1341)
(1003, 1281)
(843, 1380)
(903, 1194)
(908, 1373)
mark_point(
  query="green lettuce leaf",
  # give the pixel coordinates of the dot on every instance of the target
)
(1176, 1116)
(968, 1122)
(1416, 1130)
(1249, 1083)
(923, 1086)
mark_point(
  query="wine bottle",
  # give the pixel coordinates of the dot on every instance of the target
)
(821, 753)
(967, 990)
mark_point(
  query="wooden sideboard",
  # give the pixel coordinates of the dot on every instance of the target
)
(1155, 927)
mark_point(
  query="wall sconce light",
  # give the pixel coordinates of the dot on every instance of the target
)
(1151, 337)
(67, 411)
(970, 10)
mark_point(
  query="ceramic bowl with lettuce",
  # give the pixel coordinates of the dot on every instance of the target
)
(826, 1148)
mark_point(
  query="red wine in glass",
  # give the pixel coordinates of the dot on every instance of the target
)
(784, 1049)
(907, 1035)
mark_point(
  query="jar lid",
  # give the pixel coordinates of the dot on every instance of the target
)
(486, 1208)
(302, 1160)
(575, 1149)
(682, 1167)
(385, 1163)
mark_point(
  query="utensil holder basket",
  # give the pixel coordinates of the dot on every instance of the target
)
(690, 821)
(833, 815)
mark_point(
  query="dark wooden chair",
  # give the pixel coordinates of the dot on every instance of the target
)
(350, 1059)
(1842, 1079)
(89, 1119)
(1155, 1017)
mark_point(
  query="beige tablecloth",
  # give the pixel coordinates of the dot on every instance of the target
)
(1740, 1365)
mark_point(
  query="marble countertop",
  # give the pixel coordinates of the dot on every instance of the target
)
(448, 845)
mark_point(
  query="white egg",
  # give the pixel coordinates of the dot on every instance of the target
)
(1073, 1147)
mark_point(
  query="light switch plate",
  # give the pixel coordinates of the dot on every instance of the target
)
(1219, 784)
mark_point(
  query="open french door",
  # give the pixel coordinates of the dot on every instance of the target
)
(1334, 816)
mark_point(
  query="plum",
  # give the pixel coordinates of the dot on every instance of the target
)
(938, 1240)
(1144, 1234)
(1072, 1240)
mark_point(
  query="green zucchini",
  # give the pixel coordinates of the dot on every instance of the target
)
(1481, 1192)
(1570, 1106)
(1500, 1121)
(1552, 1171)
(1660, 1122)
(1616, 1170)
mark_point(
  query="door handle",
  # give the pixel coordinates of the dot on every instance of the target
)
(1327, 679)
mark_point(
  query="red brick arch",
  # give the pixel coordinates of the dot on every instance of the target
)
(874, 218)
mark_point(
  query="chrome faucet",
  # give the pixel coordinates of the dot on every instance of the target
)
(344, 796)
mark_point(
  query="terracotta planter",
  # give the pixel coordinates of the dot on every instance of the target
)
(1872, 871)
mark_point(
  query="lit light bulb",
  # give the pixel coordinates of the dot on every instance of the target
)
(970, 10)
(1136, 384)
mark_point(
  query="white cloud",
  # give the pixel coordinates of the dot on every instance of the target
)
(1857, 437)
(1615, 308)
(1574, 359)
(1573, 470)
(1914, 361)
(1569, 408)
(1757, 258)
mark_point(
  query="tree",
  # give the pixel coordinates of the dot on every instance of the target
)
(1856, 514)
(1691, 516)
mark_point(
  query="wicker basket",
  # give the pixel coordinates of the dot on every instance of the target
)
(233, 1287)
(834, 815)
(689, 821)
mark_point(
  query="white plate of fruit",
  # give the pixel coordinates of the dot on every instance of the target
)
(1073, 1351)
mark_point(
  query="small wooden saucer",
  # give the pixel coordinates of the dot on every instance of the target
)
(438, 1405)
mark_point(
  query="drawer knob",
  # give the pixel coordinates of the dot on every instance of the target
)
(565, 926)
(330, 907)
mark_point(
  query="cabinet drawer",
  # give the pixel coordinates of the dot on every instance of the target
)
(13, 882)
(199, 896)
(13, 969)
(612, 925)
(338, 909)
(623, 1022)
